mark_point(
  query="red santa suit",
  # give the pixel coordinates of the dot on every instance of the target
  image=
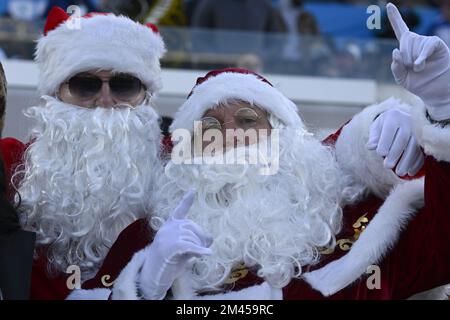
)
(100, 41)
(400, 226)
(405, 233)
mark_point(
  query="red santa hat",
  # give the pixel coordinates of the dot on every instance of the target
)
(97, 41)
(218, 86)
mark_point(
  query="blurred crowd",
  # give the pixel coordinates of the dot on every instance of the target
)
(297, 29)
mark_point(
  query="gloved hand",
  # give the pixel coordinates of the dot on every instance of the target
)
(177, 241)
(422, 66)
(392, 136)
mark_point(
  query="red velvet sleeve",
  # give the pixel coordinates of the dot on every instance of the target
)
(44, 286)
(134, 238)
(421, 259)
(12, 151)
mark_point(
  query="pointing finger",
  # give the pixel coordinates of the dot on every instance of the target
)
(182, 209)
(398, 25)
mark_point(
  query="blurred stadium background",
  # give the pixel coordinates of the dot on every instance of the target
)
(319, 53)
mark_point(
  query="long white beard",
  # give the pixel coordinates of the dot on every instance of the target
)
(275, 223)
(87, 175)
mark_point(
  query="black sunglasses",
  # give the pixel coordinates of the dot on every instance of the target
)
(124, 87)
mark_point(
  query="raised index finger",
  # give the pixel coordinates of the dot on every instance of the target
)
(185, 204)
(396, 20)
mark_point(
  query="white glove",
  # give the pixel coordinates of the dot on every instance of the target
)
(422, 66)
(177, 241)
(392, 136)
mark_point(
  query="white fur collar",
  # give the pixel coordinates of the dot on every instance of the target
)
(364, 167)
(434, 139)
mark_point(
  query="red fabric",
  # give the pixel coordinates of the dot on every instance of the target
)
(153, 27)
(332, 138)
(55, 17)
(138, 235)
(44, 286)
(134, 238)
(167, 146)
(12, 151)
(418, 262)
(93, 14)
(421, 258)
(418, 175)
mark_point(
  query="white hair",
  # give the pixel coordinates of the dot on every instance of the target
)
(87, 175)
(274, 223)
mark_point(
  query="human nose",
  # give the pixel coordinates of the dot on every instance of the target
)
(104, 98)
(232, 136)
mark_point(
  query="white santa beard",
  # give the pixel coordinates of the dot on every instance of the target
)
(276, 223)
(87, 175)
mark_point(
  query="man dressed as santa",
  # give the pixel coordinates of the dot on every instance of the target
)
(323, 222)
(90, 168)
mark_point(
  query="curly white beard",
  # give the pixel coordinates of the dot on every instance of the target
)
(275, 223)
(87, 175)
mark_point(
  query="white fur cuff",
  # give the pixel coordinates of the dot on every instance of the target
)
(374, 243)
(258, 292)
(183, 289)
(91, 294)
(364, 168)
(125, 286)
(434, 139)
